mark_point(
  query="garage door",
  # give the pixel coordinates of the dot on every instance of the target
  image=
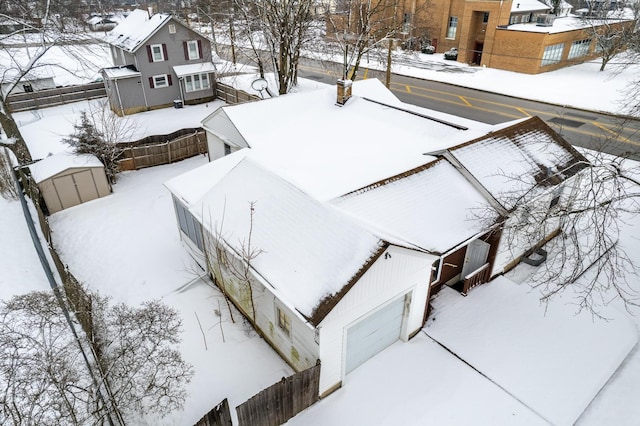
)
(373, 333)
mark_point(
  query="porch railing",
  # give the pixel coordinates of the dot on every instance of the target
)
(475, 278)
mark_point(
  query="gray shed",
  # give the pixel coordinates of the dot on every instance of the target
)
(66, 180)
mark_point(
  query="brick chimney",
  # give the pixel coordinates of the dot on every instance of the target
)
(344, 91)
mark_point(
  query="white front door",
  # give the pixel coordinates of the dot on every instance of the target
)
(475, 257)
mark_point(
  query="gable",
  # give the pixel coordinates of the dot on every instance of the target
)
(219, 124)
(511, 162)
(308, 251)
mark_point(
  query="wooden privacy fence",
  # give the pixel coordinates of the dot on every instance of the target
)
(234, 96)
(52, 97)
(280, 402)
(162, 149)
(219, 416)
(79, 301)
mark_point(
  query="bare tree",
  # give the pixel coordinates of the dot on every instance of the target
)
(43, 380)
(38, 27)
(284, 28)
(99, 132)
(231, 264)
(586, 259)
(361, 26)
(613, 32)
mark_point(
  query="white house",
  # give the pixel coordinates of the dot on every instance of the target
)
(330, 224)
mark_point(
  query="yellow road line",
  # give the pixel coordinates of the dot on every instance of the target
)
(524, 112)
(408, 88)
(366, 72)
(463, 99)
(614, 133)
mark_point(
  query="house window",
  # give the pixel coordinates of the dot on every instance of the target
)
(196, 82)
(28, 88)
(159, 81)
(485, 17)
(579, 48)
(157, 53)
(513, 19)
(453, 25)
(555, 200)
(552, 54)
(193, 52)
(227, 149)
(172, 29)
(189, 225)
(284, 322)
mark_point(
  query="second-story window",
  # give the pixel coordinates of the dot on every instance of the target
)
(192, 49)
(157, 52)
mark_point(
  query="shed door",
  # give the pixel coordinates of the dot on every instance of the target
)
(66, 190)
(476, 256)
(374, 333)
(86, 185)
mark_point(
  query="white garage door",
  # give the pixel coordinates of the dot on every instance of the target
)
(373, 333)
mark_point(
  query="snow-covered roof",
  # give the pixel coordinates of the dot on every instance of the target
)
(431, 208)
(131, 33)
(57, 163)
(329, 150)
(512, 161)
(115, 73)
(204, 67)
(308, 250)
(191, 186)
(528, 6)
(563, 24)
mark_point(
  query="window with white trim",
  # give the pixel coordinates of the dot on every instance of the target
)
(189, 225)
(579, 48)
(160, 81)
(157, 53)
(192, 49)
(284, 322)
(453, 26)
(552, 54)
(196, 82)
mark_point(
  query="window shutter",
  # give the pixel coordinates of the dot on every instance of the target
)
(149, 54)
(151, 82)
(186, 50)
(169, 79)
(199, 48)
(164, 51)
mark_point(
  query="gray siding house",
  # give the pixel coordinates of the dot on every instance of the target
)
(159, 62)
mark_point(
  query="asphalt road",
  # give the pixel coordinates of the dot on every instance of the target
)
(601, 132)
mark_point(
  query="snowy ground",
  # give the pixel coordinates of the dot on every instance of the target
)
(127, 246)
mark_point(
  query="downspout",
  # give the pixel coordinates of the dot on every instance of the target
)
(180, 81)
(144, 92)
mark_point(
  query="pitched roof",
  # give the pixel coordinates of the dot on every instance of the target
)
(308, 251)
(57, 163)
(131, 33)
(329, 150)
(513, 160)
(432, 207)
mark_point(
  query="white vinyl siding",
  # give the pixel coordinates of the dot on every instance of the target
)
(552, 54)
(196, 82)
(579, 48)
